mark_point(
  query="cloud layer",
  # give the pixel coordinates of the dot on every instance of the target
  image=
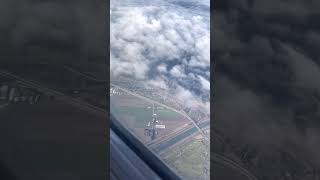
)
(167, 43)
(267, 69)
(33, 31)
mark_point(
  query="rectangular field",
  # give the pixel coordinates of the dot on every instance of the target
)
(135, 114)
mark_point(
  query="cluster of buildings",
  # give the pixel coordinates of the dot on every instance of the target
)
(14, 94)
(153, 125)
(115, 92)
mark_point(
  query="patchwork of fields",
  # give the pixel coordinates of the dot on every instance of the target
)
(179, 144)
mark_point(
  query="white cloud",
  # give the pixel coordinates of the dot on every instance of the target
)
(162, 68)
(205, 83)
(142, 36)
(158, 82)
(177, 71)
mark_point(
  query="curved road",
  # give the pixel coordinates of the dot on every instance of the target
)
(168, 107)
(217, 158)
(83, 105)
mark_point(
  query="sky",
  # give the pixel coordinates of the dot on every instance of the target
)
(162, 43)
(267, 69)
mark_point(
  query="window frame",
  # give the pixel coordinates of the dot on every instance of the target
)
(142, 151)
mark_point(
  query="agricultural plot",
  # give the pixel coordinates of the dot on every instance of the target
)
(187, 158)
(136, 113)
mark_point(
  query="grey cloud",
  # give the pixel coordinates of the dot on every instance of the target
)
(290, 9)
(252, 118)
(53, 31)
(267, 68)
(305, 69)
(153, 41)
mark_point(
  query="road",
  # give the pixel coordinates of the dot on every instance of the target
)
(89, 76)
(173, 140)
(166, 106)
(175, 137)
(217, 158)
(85, 106)
(81, 104)
(50, 139)
(143, 97)
(139, 96)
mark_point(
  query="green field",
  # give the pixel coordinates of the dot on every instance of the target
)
(168, 114)
(187, 159)
(138, 112)
(140, 115)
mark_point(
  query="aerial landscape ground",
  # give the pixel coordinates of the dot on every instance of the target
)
(159, 78)
(52, 141)
(179, 144)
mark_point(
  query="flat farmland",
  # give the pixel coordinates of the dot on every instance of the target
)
(51, 139)
(187, 158)
(171, 119)
(132, 112)
(135, 113)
